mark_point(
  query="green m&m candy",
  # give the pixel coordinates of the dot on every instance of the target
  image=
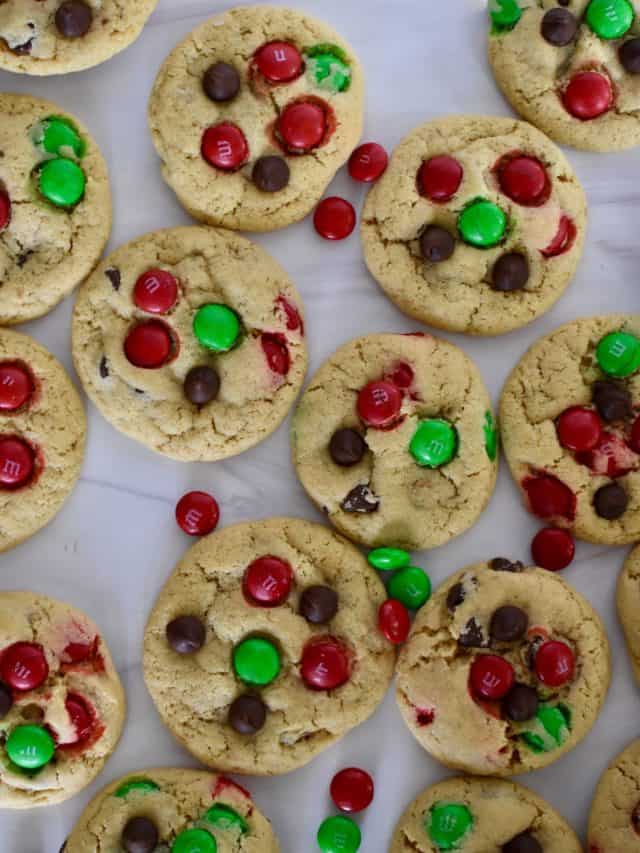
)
(194, 841)
(504, 14)
(328, 66)
(434, 443)
(610, 19)
(256, 661)
(224, 817)
(30, 747)
(410, 586)
(549, 728)
(618, 354)
(62, 182)
(216, 327)
(482, 224)
(388, 559)
(141, 786)
(447, 824)
(490, 436)
(57, 135)
(339, 835)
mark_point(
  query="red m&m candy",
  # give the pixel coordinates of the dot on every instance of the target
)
(634, 440)
(394, 621)
(588, 95)
(148, 345)
(563, 239)
(368, 162)
(379, 403)
(16, 386)
(17, 462)
(554, 663)
(352, 790)
(325, 664)
(579, 428)
(524, 180)
(267, 581)
(334, 218)
(81, 717)
(197, 513)
(23, 666)
(225, 146)
(402, 375)
(5, 209)
(156, 291)
(279, 62)
(439, 178)
(291, 313)
(491, 676)
(302, 126)
(549, 497)
(276, 353)
(553, 549)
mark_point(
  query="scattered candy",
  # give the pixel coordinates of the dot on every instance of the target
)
(267, 581)
(588, 95)
(5, 209)
(319, 604)
(221, 82)
(225, 818)
(347, 447)
(155, 291)
(325, 664)
(62, 182)
(549, 497)
(437, 244)
(618, 354)
(276, 352)
(352, 790)
(216, 327)
(225, 147)
(302, 126)
(379, 404)
(279, 62)
(554, 663)
(328, 66)
(17, 463)
(482, 224)
(524, 180)
(393, 621)
(553, 549)
(610, 501)
(143, 786)
(629, 54)
(439, 178)
(73, 19)
(197, 513)
(388, 559)
(447, 824)
(194, 841)
(30, 747)
(201, 385)
(334, 218)
(559, 27)
(16, 386)
(490, 436)
(140, 835)
(368, 162)
(610, 19)
(434, 443)
(23, 666)
(271, 173)
(339, 835)
(256, 661)
(491, 677)
(247, 714)
(149, 345)
(410, 586)
(579, 428)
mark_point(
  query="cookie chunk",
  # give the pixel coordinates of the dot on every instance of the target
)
(477, 225)
(570, 432)
(482, 816)
(506, 669)
(627, 599)
(61, 702)
(42, 436)
(191, 341)
(253, 114)
(262, 649)
(59, 36)
(614, 820)
(182, 809)
(394, 439)
(55, 205)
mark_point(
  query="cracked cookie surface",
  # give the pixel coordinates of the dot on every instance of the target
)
(45, 251)
(180, 112)
(75, 694)
(32, 43)
(466, 288)
(259, 377)
(615, 811)
(627, 599)
(457, 627)
(500, 812)
(383, 496)
(194, 693)
(174, 800)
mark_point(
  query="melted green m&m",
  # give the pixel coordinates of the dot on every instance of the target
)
(224, 817)
(490, 436)
(339, 835)
(216, 327)
(328, 66)
(388, 559)
(142, 786)
(618, 354)
(549, 729)
(447, 824)
(610, 19)
(57, 135)
(434, 443)
(30, 747)
(62, 182)
(504, 14)
(410, 586)
(256, 661)
(482, 224)
(194, 841)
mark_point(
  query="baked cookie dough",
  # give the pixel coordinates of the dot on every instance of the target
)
(191, 341)
(506, 669)
(62, 705)
(55, 205)
(614, 820)
(253, 114)
(477, 225)
(262, 649)
(191, 809)
(394, 439)
(42, 436)
(569, 428)
(571, 68)
(627, 599)
(482, 816)
(59, 36)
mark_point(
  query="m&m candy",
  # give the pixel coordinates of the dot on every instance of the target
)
(155, 291)
(434, 443)
(368, 162)
(57, 135)
(482, 224)
(393, 621)
(379, 403)
(197, 513)
(267, 581)
(579, 428)
(279, 62)
(410, 586)
(17, 462)
(588, 95)
(504, 14)
(553, 548)
(23, 666)
(618, 354)
(216, 327)
(148, 345)
(30, 747)
(388, 559)
(334, 218)
(256, 661)
(225, 146)
(447, 824)
(491, 677)
(325, 664)
(194, 840)
(554, 663)
(327, 65)
(439, 178)
(302, 126)
(224, 817)
(62, 182)
(5, 209)
(16, 386)
(352, 790)
(339, 835)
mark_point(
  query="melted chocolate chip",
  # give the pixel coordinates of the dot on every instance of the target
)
(521, 703)
(140, 835)
(201, 385)
(186, 634)
(455, 597)
(221, 82)
(630, 56)
(508, 623)
(6, 700)
(523, 843)
(247, 714)
(270, 174)
(114, 277)
(347, 447)
(559, 27)
(510, 272)
(610, 501)
(73, 19)
(612, 401)
(501, 564)
(104, 368)
(471, 636)
(319, 604)
(360, 499)
(436, 244)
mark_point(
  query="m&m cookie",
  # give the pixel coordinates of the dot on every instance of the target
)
(614, 820)
(262, 649)
(628, 599)
(61, 702)
(59, 36)
(55, 205)
(42, 436)
(253, 114)
(191, 341)
(571, 67)
(570, 423)
(505, 670)
(185, 811)
(395, 440)
(477, 225)
(482, 815)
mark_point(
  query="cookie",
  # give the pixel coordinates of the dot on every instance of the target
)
(482, 816)
(62, 705)
(42, 436)
(55, 205)
(191, 341)
(253, 114)
(394, 439)
(569, 428)
(59, 36)
(262, 648)
(627, 598)
(187, 810)
(477, 225)
(571, 68)
(505, 670)
(614, 820)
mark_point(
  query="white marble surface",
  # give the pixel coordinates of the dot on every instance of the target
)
(115, 542)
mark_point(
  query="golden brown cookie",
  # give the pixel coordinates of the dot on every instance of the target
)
(627, 599)
(615, 811)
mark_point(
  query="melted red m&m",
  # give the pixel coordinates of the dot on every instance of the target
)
(197, 513)
(524, 180)
(17, 462)
(149, 345)
(291, 313)
(279, 62)
(588, 95)
(352, 790)
(439, 178)
(491, 676)
(225, 147)
(155, 291)
(554, 663)
(302, 126)
(23, 666)
(325, 664)
(276, 352)
(368, 162)
(401, 375)
(379, 403)
(16, 386)
(563, 240)
(634, 439)
(82, 717)
(549, 497)
(579, 428)
(5, 209)
(267, 581)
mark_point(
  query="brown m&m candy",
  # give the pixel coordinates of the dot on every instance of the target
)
(221, 82)
(201, 385)
(247, 714)
(186, 634)
(318, 604)
(73, 19)
(271, 173)
(347, 447)
(140, 835)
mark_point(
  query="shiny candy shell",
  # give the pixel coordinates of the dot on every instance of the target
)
(197, 513)
(393, 621)
(368, 162)
(30, 747)
(352, 790)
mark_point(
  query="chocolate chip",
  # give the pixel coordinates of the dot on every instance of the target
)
(140, 835)
(247, 714)
(630, 56)
(186, 634)
(564, 2)
(472, 636)
(559, 27)
(104, 369)
(635, 818)
(436, 244)
(73, 19)
(523, 843)
(455, 597)
(271, 174)
(201, 385)
(610, 501)
(6, 700)
(360, 499)
(319, 604)
(510, 272)
(612, 400)
(501, 564)
(508, 623)
(221, 82)
(347, 447)
(114, 277)
(520, 703)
